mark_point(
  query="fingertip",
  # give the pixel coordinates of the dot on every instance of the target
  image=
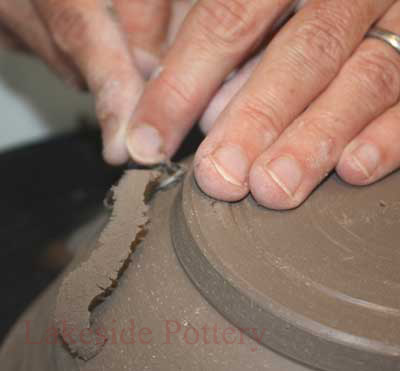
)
(267, 191)
(145, 144)
(115, 155)
(358, 163)
(351, 173)
(216, 182)
(114, 148)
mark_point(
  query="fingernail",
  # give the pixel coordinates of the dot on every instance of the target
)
(144, 144)
(366, 159)
(287, 174)
(232, 164)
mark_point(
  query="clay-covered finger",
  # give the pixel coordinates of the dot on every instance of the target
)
(21, 19)
(86, 32)
(215, 37)
(369, 84)
(299, 63)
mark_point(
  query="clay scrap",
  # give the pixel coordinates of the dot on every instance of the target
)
(94, 279)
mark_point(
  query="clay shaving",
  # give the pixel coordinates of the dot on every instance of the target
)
(95, 279)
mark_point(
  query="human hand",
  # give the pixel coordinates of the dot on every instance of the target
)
(321, 96)
(110, 46)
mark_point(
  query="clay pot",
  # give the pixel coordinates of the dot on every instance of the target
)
(234, 286)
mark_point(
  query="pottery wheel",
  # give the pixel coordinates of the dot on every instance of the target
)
(323, 279)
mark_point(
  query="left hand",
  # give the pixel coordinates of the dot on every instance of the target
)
(321, 96)
(110, 46)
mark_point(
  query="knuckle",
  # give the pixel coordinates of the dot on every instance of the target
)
(68, 25)
(262, 115)
(176, 91)
(226, 22)
(322, 39)
(320, 45)
(380, 74)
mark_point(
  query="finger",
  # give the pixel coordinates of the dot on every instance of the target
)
(233, 85)
(297, 66)
(368, 84)
(85, 31)
(22, 19)
(144, 22)
(375, 152)
(180, 9)
(145, 25)
(226, 93)
(214, 38)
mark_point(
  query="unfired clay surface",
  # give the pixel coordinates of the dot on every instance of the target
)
(321, 281)
(324, 279)
(95, 279)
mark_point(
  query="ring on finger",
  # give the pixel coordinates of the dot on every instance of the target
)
(386, 36)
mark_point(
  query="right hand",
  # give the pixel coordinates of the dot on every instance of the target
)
(111, 49)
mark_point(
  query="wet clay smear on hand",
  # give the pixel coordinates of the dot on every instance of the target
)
(94, 280)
